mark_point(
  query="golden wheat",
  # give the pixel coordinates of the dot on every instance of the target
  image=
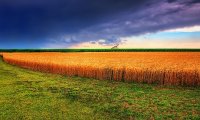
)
(167, 68)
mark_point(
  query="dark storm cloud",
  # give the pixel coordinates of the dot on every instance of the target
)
(158, 16)
(39, 18)
(74, 21)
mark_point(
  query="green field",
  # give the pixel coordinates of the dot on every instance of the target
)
(26, 94)
(105, 50)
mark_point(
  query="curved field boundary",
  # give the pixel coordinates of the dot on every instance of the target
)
(147, 75)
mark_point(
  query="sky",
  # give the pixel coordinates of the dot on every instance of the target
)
(99, 23)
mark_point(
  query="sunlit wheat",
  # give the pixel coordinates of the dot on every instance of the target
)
(165, 68)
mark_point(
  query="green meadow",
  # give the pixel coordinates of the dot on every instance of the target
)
(26, 95)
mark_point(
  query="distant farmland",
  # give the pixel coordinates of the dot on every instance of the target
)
(164, 68)
(105, 50)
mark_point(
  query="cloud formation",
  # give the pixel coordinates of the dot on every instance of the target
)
(75, 21)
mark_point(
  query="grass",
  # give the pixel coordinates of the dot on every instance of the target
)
(26, 94)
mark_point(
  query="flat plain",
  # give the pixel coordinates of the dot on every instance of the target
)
(25, 94)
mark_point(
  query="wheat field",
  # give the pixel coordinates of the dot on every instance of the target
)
(164, 68)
